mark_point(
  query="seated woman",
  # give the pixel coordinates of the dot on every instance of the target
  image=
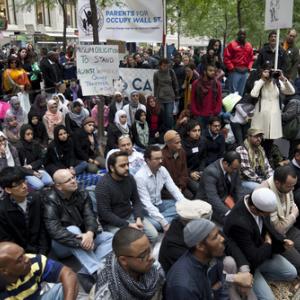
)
(86, 146)
(12, 129)
(140, 130)
(75, 116)
(117, 129)
(31, 157)
(40, 134)
(53, 117)
(195, 148)
(16, 110)
(60, 153)
(155, 121)
(182, 120)
(39, 105)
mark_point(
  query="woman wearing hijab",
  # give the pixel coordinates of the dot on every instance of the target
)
(60, 153)
(75, 116)
(16, 110)
(140, 130)
(12, 130)
(39, 130)
(31, 158)
(117, 129)
(52, 118)
(39, 105)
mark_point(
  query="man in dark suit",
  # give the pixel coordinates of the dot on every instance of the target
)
(220, 185)
(248, 224)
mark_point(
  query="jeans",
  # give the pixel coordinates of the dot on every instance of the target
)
(90, 260)
(149, 229)
(277, 269)
(239, 131)
(38, 183)
(251, 185)
(55, 293)
(237, 82)
(168, 210)
(168, 114)
(81, 167)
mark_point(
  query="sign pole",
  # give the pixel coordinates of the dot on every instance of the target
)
(277, 49)
(165, 29)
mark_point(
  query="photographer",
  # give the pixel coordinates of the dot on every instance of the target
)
(267, 114)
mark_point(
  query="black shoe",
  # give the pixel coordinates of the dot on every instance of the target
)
(86, 281)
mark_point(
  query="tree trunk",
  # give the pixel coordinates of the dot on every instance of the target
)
(225, 29)
(63, 7)
(239, 13)
(94, 22)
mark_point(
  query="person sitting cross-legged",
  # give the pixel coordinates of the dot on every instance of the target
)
(22, 276)
(130, 271)
(73, 227)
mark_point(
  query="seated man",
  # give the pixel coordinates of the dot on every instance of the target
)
(22, 275)
(284, 218)
(173, 247)
(220, 185)
(21, 213)
(150, 179)
(248, 224)
(73, 226)
(129, 271)
(118, 201)
(135, 158)
(174, 160)
(255, 166)
(190, 277)
(215, 140)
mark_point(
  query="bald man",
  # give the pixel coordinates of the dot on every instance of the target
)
(22, 274)
(73, 227)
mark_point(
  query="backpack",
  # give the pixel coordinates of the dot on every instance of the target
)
(291, 128)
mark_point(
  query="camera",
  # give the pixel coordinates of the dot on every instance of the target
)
(275, 74)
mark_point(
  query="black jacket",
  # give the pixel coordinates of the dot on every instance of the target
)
(215, 148)
(61, 213)
(32, 237)
(241, 226)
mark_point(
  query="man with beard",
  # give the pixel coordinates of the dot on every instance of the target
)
(118, 201)
(238, 59)
(255, 166)
(130, 271)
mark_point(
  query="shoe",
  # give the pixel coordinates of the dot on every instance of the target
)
(86, 281)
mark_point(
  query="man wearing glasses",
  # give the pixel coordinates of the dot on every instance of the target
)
(73, 227)
(130, 271)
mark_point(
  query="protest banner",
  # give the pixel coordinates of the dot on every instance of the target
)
(97, 67)
(130, 21)
(140, 80)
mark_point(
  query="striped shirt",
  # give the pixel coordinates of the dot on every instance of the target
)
(28, 287)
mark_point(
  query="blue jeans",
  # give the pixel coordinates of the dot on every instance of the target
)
(90, 260)
(277, 269)
(168, 114)
(168, 210)
(149, 229)
(38, 183)
(55, 293)
(81, 167)
(237, 82)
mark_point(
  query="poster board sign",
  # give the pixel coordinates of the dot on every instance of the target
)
(278, 14)
(97, 67)
(129, 20)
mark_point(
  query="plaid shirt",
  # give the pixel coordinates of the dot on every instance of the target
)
(247, 172)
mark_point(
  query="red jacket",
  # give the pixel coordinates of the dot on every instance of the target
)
(237, 55)
(208, 107)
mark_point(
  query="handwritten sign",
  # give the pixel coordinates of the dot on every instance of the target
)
(97, 67)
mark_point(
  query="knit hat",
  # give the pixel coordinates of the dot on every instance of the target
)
(88, 120)
(170, 135)
(133, 92)
(264, 199)
(196, 231)
(192, 210)
(117, 93)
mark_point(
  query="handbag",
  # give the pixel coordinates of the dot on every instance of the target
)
(291, 128)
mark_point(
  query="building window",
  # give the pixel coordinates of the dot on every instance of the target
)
(43, 14)
(8, 10)
(71, 15)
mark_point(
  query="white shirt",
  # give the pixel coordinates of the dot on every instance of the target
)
(23, 205)
(149, 188)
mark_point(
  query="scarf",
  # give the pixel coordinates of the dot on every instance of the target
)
(40, 110)
(9, 158)
(124, 128)
(124, 287)
(74, 92)
(143, 132)
(203, 87)
(28, 146)
(78, 118)
(53, 119)
(18, 113)
(256, 158)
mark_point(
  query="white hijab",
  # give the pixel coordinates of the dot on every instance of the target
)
(122, 127)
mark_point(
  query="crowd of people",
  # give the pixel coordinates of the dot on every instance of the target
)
(192, 170)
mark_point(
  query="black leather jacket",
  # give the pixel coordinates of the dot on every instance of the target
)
(60, 213)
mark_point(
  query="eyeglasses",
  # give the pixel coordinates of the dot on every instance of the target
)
(68, 180)
(142, 257)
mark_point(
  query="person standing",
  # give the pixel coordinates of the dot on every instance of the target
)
(238, 59)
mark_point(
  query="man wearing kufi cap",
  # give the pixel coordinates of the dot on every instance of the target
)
(255, 167)
(197, 274)
(133, 106)
(118, 103)
(248, 224)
